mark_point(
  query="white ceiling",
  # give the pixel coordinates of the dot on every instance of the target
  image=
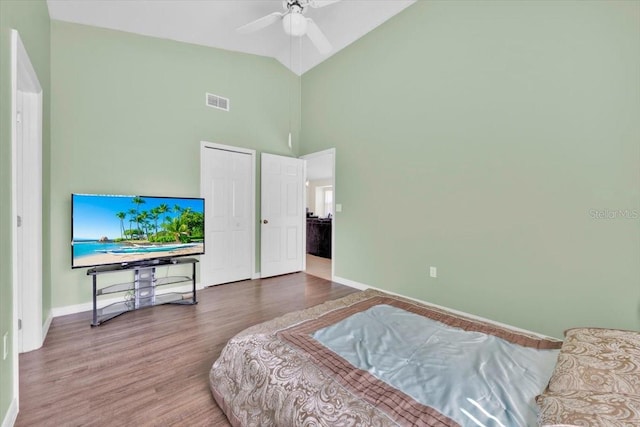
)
(213, 23)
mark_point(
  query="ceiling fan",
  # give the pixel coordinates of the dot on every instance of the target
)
(294, 22)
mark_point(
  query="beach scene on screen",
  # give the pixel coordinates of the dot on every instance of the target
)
(110, 229)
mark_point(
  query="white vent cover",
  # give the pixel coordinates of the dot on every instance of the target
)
(218, 102)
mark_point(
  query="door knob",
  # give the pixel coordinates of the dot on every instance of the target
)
(265, 221)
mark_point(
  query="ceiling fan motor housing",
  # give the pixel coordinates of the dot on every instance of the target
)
(295, 24)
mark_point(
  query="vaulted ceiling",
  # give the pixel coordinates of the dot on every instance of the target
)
(214, 23)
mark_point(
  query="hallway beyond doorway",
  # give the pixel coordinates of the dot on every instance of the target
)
(318, 266)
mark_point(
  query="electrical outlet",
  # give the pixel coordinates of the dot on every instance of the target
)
(5, 349)
(433, 272)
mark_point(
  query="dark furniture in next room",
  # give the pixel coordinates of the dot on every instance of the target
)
(319, 237)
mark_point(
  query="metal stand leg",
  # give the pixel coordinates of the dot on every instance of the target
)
(193, 280)
(95, 303)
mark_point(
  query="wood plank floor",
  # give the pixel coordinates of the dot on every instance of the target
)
(151, 367)
(318, 266)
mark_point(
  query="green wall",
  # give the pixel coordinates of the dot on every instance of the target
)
(128, 115)
(478, 137)
(31, 19)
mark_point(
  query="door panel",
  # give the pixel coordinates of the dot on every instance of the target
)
(282, 215)
(271, 245)
(292, 242)
(226, 185)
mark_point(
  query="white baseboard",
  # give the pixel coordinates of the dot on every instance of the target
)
(256, 275)
(72, 309)
(352, 283)
(88, 306)
(362, 287)
(12, 414)
(47, 324)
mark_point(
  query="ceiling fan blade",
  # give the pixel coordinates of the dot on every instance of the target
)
(321, 3)
(260, 23)
(318, 39)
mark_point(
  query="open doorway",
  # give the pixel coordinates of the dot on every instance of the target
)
(26, 147)
(320, 211)
(28, 331)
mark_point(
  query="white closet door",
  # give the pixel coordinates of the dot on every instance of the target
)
(282, 215)
(226, 187)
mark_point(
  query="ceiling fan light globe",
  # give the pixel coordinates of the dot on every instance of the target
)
(294, 24)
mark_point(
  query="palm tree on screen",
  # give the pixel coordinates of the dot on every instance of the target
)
(138, 201)
(122, 216)
(176, 227)
(132, 217)
(154, 215)
(164, 209)
(142, 221)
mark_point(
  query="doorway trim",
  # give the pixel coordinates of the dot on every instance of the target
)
(322, 153)
(205, 145)
(25, 84)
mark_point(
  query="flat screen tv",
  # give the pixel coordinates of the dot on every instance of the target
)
(130, 230)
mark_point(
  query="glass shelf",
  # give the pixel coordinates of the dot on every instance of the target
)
(161, 281)
(130, 286)
(141, 292)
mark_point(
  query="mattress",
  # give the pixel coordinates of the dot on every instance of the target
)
(373, 359)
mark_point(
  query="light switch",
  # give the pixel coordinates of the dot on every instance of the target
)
(338, 207)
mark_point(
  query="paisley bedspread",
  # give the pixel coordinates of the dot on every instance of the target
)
(297, 370)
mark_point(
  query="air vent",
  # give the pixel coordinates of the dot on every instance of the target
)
(218, 102)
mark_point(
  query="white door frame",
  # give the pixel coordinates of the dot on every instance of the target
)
(307, 157)
(205, 145)
(27, 296)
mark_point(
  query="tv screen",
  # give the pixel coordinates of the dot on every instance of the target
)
(113, 229)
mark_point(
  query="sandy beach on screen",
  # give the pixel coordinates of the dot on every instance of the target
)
(99, 259)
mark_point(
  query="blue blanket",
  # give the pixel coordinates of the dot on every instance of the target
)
(473, 378)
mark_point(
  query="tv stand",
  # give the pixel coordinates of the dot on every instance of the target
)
(141, 292)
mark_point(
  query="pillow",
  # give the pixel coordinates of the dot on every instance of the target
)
(588, 408)
(600, 360)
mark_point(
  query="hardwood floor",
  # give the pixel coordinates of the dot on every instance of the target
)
(318, 266)
(151, 367)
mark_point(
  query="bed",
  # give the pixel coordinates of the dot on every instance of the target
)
(373, 359)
